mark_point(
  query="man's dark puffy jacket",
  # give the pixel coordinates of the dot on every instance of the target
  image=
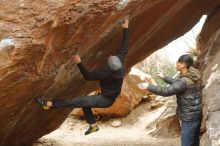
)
(110, 81)
(187, 90)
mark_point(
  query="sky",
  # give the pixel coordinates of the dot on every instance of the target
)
(182, 44)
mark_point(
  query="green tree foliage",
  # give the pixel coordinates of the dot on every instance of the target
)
(158, 62)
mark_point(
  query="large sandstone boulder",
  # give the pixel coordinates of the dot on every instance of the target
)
(166, 124)
(39, 37)
(209, 47)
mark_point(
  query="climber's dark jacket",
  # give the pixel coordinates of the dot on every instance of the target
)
(188, 92)
(110, 81)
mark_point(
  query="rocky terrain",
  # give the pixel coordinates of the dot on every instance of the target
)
(39, 37)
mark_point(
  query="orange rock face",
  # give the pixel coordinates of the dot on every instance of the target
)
(38, 39)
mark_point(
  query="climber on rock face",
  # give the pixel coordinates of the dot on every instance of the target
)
(111, 78)
(187, 89)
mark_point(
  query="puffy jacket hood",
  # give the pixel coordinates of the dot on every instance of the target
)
(192, 74)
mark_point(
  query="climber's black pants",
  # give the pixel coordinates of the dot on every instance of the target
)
(86, 103)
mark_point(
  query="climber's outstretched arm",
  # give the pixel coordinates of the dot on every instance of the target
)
(123, 50)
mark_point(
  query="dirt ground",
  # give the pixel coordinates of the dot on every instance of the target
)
(132, 132)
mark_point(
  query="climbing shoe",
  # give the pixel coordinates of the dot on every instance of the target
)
(92, 129)
(42, 103)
